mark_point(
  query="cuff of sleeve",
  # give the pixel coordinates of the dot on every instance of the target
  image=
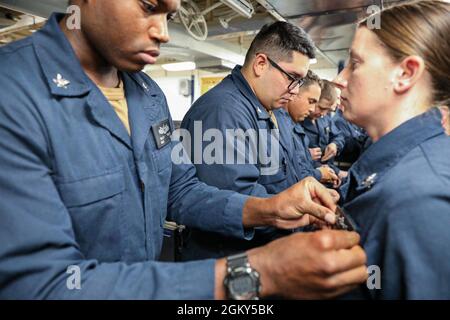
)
(200, 282)
(339, 147)
(317, 175)
(233, 217)
(335, 168)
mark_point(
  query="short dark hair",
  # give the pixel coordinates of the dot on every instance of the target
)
(328, 91)
(310, 79)
(278, 40)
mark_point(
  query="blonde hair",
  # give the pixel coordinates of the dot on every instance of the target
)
(420, 28)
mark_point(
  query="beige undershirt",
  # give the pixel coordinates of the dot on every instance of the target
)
(116, 97)
(274, 119)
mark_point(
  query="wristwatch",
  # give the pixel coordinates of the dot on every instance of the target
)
(242, 281)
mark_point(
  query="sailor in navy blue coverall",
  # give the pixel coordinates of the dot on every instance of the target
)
(238, 103)
(303, 105)
(321, 134)
(355, 141)
(398, 194)
(91, 192)
(398, 191)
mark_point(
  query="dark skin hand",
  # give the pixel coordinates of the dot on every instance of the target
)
(315, 265)
(295, 207)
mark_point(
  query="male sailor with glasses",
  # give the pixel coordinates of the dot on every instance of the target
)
(273, 71)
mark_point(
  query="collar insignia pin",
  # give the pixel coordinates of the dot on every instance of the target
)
(369, 181)
(61, 82)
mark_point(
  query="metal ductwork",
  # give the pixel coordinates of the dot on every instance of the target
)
(331, 24)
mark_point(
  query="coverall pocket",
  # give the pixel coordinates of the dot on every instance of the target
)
(92, 189)
(96, 207)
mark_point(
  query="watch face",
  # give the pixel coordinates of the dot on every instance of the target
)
(243, 287)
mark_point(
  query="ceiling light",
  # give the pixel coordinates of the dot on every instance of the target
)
(179, 66)
(313, 61)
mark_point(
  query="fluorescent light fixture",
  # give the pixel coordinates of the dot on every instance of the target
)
(179, 66)
(313, 61)
(229, 64)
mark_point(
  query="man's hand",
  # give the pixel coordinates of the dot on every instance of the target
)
(330, 152)
(313, 265)
(337, 183)
(343, 174)
(293, 207)
(328, 175)
(316, 153)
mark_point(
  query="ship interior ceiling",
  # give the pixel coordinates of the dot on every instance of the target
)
(228, 24)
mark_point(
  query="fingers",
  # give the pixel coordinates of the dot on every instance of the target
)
(328, 173)
(316, 153)
(349, 278)
(334, 194)
(337, 183)
(319, 224)
(330, 152)
(315, 200)
(326, 197)
(338, 239)
(333, 175)
(349, 259)
(343, 174)
(327, 156)
(292, 224)
(338, 292)
(320, 212)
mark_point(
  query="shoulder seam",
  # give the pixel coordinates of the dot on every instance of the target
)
(430, 164)
(7, 50)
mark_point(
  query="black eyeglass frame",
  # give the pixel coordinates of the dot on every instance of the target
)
(294, 81)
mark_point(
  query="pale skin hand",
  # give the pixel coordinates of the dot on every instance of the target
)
(330, 152)
(343, 174)
(328, 175)
(316, 153)
(337, 183)
(313, 265)
(293, 207)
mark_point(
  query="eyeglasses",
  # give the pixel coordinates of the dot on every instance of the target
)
(294, 81)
